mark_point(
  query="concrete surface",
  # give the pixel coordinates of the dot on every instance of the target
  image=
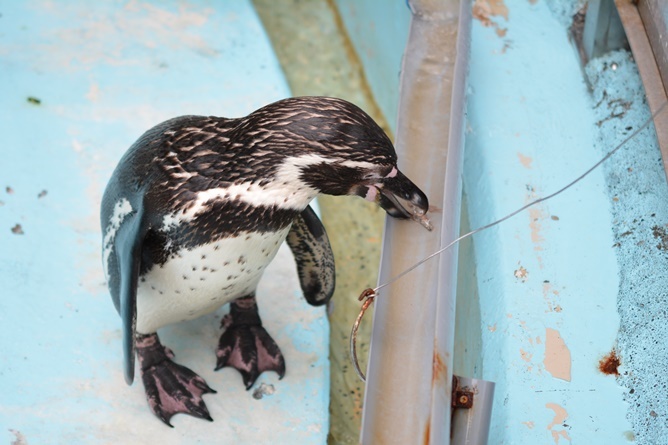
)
(548, 278)
(81, 81)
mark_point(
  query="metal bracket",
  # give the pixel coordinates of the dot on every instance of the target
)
(462, 398)
(471, 411)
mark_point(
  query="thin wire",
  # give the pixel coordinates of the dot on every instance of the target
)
(368, 295)
(532, 203)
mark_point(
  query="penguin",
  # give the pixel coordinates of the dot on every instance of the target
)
(197, 208)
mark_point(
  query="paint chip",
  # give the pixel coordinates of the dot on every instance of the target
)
(17, 230)
(34, 100)
(42, 194)
(19, 438)
(521, 274)
(557, 359)
(524, 160)
(560, 416)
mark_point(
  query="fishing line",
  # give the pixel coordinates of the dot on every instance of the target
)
(368, 295)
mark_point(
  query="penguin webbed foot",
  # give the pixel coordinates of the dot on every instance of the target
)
(246, 346)
(170, 388)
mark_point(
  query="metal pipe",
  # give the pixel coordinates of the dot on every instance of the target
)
(407, 397)
(471, 426)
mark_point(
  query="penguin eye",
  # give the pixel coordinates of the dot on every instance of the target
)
(377, 174)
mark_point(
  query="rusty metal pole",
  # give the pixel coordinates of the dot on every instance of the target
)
(407, 398)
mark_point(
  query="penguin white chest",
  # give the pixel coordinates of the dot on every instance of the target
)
(196, 281)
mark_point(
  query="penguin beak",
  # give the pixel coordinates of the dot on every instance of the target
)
(399, 197)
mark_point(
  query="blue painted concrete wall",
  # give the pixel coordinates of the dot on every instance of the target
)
(548, 278)
(378, 30)
(100, 74)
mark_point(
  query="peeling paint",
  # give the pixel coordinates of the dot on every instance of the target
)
(550, 295)
(526, 356)
(557, 359)
(521, 274)
(574, 246)
(487, 12)
(19, 438)
(524, 160)
(484, 10)
(536, 214)
(560, 416)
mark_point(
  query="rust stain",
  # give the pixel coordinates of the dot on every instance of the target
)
(610, 363)
(440, 369)
(529, 424)
(557, 359)
(427, 433)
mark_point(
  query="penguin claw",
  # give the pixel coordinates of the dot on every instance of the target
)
(251, 351)
(172, 389)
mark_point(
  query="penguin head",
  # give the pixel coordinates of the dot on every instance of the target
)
(359, 159)
(338, 149)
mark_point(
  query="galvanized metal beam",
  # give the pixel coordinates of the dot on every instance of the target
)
(408, 392)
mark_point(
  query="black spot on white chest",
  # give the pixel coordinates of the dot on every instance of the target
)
(195, 281)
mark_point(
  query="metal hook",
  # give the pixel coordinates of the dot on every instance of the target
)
(368, 296)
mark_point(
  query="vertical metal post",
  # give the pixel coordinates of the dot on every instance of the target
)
(603, 29)
(408, 391)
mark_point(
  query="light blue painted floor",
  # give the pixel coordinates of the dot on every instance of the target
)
(103, 73)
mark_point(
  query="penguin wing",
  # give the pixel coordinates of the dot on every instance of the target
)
(128, 248)
(313, 254)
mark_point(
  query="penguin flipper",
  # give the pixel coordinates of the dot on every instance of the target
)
(313, 254)
(128, 247)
